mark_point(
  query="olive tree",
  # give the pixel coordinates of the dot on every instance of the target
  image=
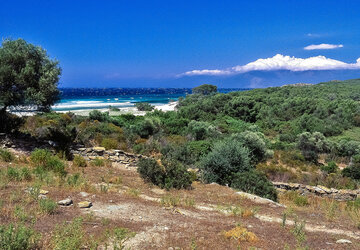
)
(28, 77)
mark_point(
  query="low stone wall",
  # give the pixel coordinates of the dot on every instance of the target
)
(111, 155)
(341, 195)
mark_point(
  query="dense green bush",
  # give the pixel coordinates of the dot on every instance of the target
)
(18, 174)
(227, 157)
(171, 174)
(151, 171)
(6, 155)
(255, 142)
(18, 237)
(254, 182)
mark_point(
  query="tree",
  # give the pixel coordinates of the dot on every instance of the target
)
(205, 89)
(27, 76)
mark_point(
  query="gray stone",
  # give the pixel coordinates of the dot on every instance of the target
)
(66, 202)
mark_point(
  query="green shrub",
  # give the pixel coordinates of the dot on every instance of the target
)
(99, 116)
(353, 171)
(227, 158)
(201, 130)
(171, 174)
(331, 167)
(98, 162)
(151, 171)
(144, 106)
(109, 143)
(176, 175)
(120, 236)
(13, 174)
(299, 200)
(44, 159)
(254, 182)
(6, 155)
(74, 180)
(68, 236)
(255, 142)
(47, 206)
(79, 161)
(16, 174)
(18, 237)
(311, 144)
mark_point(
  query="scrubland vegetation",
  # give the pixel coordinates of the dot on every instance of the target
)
(243, 140)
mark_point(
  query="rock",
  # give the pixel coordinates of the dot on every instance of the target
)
(43, 192)
(98, 149)
(84, 204)
(343, 241)
(66, 202)
(42, 197)
(259, 200)
(84, 194)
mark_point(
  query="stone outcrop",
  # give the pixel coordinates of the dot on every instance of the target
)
(340, 195)
(114, 155)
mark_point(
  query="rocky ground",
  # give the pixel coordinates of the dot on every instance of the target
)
(208, 216)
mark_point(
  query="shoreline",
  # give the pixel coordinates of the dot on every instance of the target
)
(171, 106)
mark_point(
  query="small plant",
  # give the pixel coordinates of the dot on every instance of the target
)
(18, 237)
(133, 192)
(79, 161)
(6, 155)
(189, 202)
(193, 245)
(170, 200)
(47, 206)
(98, 162)
(68, 235)
(13, 174)
(104, 188)
(331, 209)
(299, 232)
(75, 180)
(120, 236)
(20, 214)
(296, 198)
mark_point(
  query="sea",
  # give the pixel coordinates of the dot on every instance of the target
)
(75, 99)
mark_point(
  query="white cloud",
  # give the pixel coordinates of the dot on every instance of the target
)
(323, 46)
(281, 62)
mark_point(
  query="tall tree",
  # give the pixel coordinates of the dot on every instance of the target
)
(27, 76)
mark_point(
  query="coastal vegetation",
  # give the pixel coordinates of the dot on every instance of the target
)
(239, 141)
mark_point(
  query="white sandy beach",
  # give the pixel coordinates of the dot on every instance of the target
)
(126, 110)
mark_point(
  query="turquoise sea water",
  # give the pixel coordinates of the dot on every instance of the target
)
(84, 99)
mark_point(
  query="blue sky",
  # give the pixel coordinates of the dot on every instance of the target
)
(181, 43)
